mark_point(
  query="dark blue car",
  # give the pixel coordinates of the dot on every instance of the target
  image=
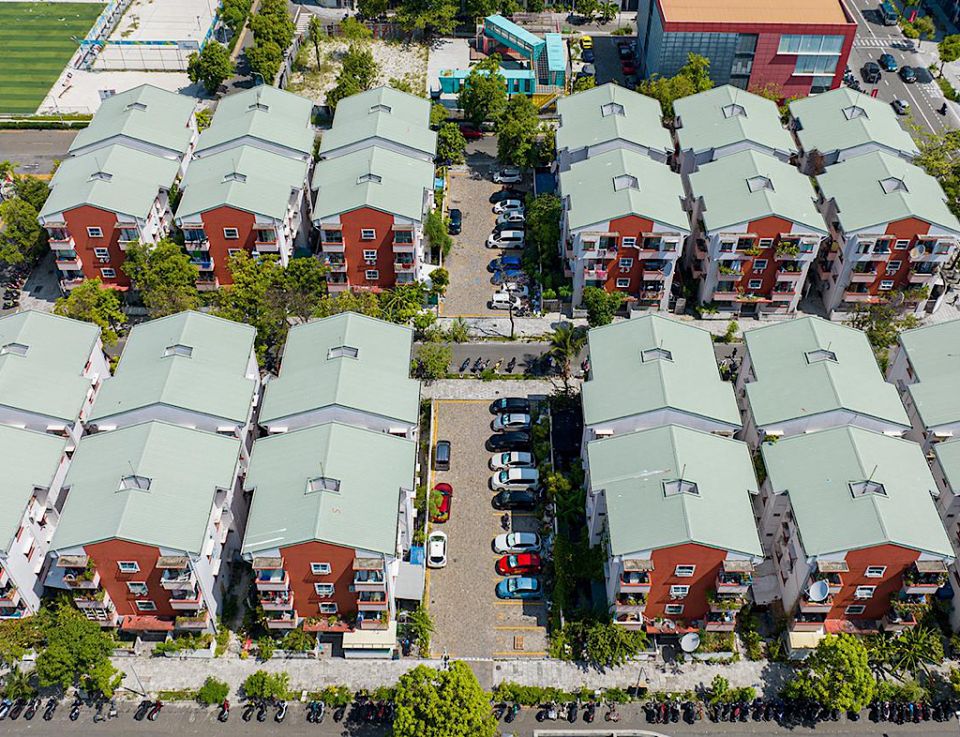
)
(504, 262)
(508, 275)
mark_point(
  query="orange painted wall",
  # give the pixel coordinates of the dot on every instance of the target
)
(353, 247)
(77, 221)
(770, 227)
(296, 562)
(106, 554)
(906, 229)
(895, 558)
(214, 221)
(708, 562)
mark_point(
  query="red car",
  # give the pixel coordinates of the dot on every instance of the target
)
(442, 513)
(470, 133)
(628, 67)
(521, 564)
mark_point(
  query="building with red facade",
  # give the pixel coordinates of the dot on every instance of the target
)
(795, 48)
(671, 507)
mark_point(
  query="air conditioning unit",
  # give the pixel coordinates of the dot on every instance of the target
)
(370, 262)
(624, 269)
(104, 259)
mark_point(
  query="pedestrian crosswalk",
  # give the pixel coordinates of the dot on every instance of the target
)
(870, 42)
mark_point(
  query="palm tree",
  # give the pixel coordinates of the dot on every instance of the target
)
(566, 342)
(17, 685)
(315, 32)
(915, 650)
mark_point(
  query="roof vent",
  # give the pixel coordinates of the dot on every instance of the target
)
(854, 111)
(259, 106)
(863, 488)
(673, 487)
(380, 108)
(134, 483)
(323, 483)
(136, 106)
(17, 349)
(368, 177)
(625, 181)
(235, 176)
(612, 108)
(893, 184)
(656, 354)
(759, 182)
(733, 110)
(821, 354)
(178, 349)
(343, 351)
(101, 176)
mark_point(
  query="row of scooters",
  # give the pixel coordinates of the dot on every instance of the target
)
(29, 708)
(553, 711)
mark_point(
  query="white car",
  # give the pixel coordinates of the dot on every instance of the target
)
(437, 550)
(508, 205)
(901, 107)
(507, 175)
(510, 421)
(520, 290)
(517, 542)
(505, 301)
(515, 479)
(511, 217)
(506, 239)
(514, 459)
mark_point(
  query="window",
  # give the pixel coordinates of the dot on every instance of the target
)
(178, 349)
(863, 488)
(108, 273)
(128, 566)
(733, 111)
(611, 108)
(678, 592)
(901, 245)
(343, 351)
(886, 285)
(673, 609)
(760, 264)
(231, 234)
(323, 483)
(328, 608)
(369, 254)
(320, 569)
(656, 354)
(864, 592)
(371, 275)
(146, 606)
(17, 349)
(367, 234)
(101, 253)
(626, 263)
(323, 589)
(628, 241)
(137, 588)
(875, 571)
(893, 267)
(625, 181)
(684, 571)
(755, 284)
(855, 609)
(760, 182)
(623, 283)
(233, 251)
(766, 242)
(94, 232)
(821, 354)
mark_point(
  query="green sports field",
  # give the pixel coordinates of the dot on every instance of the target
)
(36, 44)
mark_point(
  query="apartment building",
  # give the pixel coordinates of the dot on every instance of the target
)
(856, 541)
(347, 368)
(114, 188)
(945, 466)
(672, 507)
(140, 538)
(246, 188)
(809, 374)
(757, 231)
(607, 118)
(642, 372)
(892, 233)
(842, 124)
(34, 465)
(51, 369)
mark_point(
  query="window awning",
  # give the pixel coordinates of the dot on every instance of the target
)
(832, 566)
(371, 639)
(738, 566)
(409, 584)
(638, 565)
(133, 623)
(931, 566)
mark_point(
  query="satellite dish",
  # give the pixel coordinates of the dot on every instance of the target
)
(819, 591)
(917, 251)
(690, 642)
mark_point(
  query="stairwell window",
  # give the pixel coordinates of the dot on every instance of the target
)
(855, 609)
(626, 263)
(137, 588)
(755, 284)
(673, 609)
(323, 589)
(886, 285)
(369, 254)
(875, 571)
(628, 241)
(231, 234)
(108, 273)
(684, 571)
(367, 234)
(328, 608)
(146, 606)
(760, 264)
(320, 569)
(94, 232)
(864, 592)
(678, 592)
(623, 283)
(101, 253)
(371, 275)
(128, 566)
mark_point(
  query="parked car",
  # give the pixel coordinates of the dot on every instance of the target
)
(509, 404)
(517, 542)
(625, 50)
(499, 227)
(506, 194)
(908, 75)
(511, 217)
(442, 512)
(506, 441)
(519, 479)
(871, 72)
(587, 55)
(509, 275)
(519, 587)
(506, 239)
(504, 301)
(588, 70)
(517, 500)
(628, 67)
(508, 175)
(888, 63)
(520, 290)
(900, 107)
(586, 42)
(441, 456)
(456, 222)
(523, 564)
(510, 421)
(506, 261)
(470, 132)
(437, 550)
(516, 459)
(505, 205)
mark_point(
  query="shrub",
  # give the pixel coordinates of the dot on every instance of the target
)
(265, 647)
(263, 685)
(298, 641)
(213, 691)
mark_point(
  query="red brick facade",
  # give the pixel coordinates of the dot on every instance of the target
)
(665, 561)
(79, 221)
(106, 556)
(896, 560)
(214, 224)
(296, 562)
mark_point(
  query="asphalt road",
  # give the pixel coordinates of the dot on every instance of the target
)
(35, 151)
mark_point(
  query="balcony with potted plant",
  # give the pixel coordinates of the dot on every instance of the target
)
(924, 577)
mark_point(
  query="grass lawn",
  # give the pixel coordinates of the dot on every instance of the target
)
(36, 44)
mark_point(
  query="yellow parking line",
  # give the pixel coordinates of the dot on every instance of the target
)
(520, 627)
(463, 401)
(515, 514)
(518, 602)
(520, 654)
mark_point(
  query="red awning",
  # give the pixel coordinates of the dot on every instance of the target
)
(146, 624)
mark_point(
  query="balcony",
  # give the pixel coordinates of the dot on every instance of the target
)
(9, 596)
(733, 582)
(721, 622)
(201, 244)
(202, 263)
(404, 266)
(860, 297)
(283, 620)
(725, 296)
(373, 620)
(60, 241)
(70, 282)
(266, 247)
(808, 622)
(922, 276)
(834, 581)
(863, 277)
(186, 600)
(399, 247)
(18, 613)
(924, 577)
(69, 263)
(205, 284)
(369, 581)
(595, 274)
(198, 622)
(337, 267)
(654, 275)
(96, 599)
(808, 606)
(276, 601)
(781, 296)
(82, 578)
(178, 579)
(372, 601)
(272, 580)
(634, 582)
(629, 621)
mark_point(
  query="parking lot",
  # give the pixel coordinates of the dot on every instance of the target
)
(469, 619)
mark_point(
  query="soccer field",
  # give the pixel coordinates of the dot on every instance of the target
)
(36, 44)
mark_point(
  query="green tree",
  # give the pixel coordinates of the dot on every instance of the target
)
(585, 82)
(882, 323)
(451, 144)
(353, 30)
(21, 237)
(517, 129)
(484, 93)
(566, 342)
(608, 645)
(432, 361)
(213, 691)
(204, 118)
(300, 287)
(608, 11)
(77, 651)
(436, 231)
(32, 190)
(442, 703)
(273, 23)
(316, 34)
(601, 306)
(164, 276)
(264, 685)
(420, 627)
(90, 302)
(438, 115)
(586, 9)
(359, 72)
(18, 685)
(361, 302)
(433, 17)
(949, 48)
(210, 67)
(478, 9)
(402, 303)
(234, 13)
(925, 27)
(915, 650)
(265, 59)
(372, 8)
(246, 300)
(693, 77)
(837, 675)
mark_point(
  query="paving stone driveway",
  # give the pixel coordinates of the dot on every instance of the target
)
(470, 621)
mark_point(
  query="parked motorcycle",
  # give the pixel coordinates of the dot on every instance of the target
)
(32, 708)
(155, 711)
(50, 708)
(281, 712)
(224, 714)
(74, 708)
(512, 712)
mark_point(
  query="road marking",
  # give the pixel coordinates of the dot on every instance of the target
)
(518, 602)
(515, 514)
(463, 401)
(864, 19)
(519, 627)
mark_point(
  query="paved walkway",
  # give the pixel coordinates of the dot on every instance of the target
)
(476, 389)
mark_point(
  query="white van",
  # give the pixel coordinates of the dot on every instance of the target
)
(504, 301)
(506, 239)
(515, 479)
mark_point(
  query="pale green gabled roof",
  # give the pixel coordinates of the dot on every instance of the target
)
(793, 381)
(190, 361)
(183, 468)
(727, 115)
(610, 113)
(48, 378)
(265, 113)
(372, 177)
(382, 113)
(822, 472)
(377, 381)
(246, 178)
(948, 456)
(643, 510)
(748, 186)
(622, 383)
(877, 188)
(934, 353)
(620, 183)
(371, 468)
(29, 460)
(145, 113)
(842, 119)
(114, 178)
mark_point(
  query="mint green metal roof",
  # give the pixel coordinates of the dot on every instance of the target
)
(185, 467)
(145, 113)
(371, 468)
(512, 29)
(623, 384)
(878, 188)
(398, 184)
(584, 121)
(789, 386)
(843, 119)
(115, 178)
(29, 460)
(377, 381)
(632, 469)
(556, 52)
(246, 178)
(948, 455)
(382, 113)
(934, 353)
(731, 192)
(265, 113)
(817, 470)
(591, 188)
(711, 121)
(48, 380)
(211, 380)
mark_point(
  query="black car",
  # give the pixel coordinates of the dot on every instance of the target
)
(441, 458)
(908, 75)
(871, 72)
(523, 501)
(513, 440)
(587, 55)
(510, 404)
(507, 194)
(456, 221)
